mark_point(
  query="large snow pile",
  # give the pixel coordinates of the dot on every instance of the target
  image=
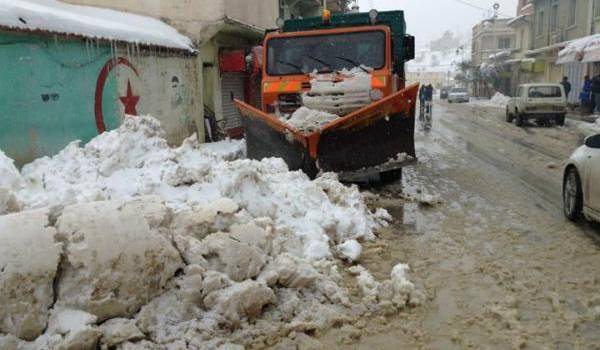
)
(128, 243)
(93, 22)
(497, 101)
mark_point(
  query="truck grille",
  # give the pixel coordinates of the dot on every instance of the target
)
(289, 103)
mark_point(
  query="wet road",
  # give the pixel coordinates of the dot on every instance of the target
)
(499, 264)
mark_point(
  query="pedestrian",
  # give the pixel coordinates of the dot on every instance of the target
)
(585, 97)
(422, 91)
(429, 97)
(567, 86)
(596, 93)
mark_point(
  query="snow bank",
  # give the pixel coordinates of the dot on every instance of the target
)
(93, 22)
(497, 101)
(187, 245)
(10, 181)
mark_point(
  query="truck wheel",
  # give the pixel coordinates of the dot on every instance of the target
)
(572, 195)
(560, 120)
(509, 117)
(520, 120)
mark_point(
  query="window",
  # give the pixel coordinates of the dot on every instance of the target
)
(504, 43)
(519, 90)
(540, 22)
(545, 92)
(554, 17)
(325, 53)
(572, 12)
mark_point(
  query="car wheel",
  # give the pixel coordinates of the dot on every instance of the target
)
(572, 195)
(520, 120)
(560, 121)
(509, 117)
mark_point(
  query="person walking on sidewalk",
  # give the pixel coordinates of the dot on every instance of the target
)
(567, 85)
(585, 97)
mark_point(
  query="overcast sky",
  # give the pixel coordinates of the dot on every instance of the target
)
(428, 19)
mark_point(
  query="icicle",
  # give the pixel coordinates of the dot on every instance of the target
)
(55, 40)
(128, 52)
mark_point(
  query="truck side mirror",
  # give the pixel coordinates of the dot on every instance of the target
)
(409, 47)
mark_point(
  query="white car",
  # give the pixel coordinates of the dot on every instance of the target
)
(581, 184)
(542, 102)
(458, 95)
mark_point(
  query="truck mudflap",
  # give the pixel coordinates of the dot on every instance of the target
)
(376, 138)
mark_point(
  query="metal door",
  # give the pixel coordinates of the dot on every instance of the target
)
(232, 87)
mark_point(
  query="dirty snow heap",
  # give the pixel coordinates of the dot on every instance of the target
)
(127, 243)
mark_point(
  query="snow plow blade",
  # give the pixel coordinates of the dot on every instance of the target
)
(364, 143)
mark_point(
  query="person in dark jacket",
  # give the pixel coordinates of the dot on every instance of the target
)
(585, 97)
(567, 85)
(596, 92)
(422, 101)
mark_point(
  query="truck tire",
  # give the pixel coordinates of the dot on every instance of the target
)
(520, 120)
(572, 194)
(509, 117)
(560, 120)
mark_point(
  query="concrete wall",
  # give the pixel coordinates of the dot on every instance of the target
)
(56, 94)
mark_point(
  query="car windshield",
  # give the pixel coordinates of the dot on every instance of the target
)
(325, 53)
(545, 92)
(459, 90)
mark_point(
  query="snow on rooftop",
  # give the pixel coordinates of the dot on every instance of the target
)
(586, 49)
(99, 23)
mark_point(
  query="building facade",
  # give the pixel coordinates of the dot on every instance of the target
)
(556, 23)
(493, 42)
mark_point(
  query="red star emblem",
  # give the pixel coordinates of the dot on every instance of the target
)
(130, 101)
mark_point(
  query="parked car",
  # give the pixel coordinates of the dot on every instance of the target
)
(542, 102)
(444, 92)
(581, 184)
(458, 95)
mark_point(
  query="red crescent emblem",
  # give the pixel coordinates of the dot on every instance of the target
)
(108, 67)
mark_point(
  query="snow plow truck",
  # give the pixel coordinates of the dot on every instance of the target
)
(320, 63)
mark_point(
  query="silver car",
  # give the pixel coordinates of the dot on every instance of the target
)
(458, 95)
(581, 184)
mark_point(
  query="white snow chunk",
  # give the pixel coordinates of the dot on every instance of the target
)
(93, 22)
(497, 101)
(10, 178)
(64, 321)
(120, 330)
(350, 250)
(308, 120)
(241, 300)
(29, 260)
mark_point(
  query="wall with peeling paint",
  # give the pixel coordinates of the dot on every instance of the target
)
(50, 93)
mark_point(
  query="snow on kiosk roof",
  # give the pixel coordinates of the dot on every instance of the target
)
(57, 17)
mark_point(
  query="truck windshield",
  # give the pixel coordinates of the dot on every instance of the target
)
(545, 92)
(325, 53)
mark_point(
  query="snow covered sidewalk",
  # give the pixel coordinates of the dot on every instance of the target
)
(128, 243)
(497, 101)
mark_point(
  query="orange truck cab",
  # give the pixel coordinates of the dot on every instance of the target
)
(350, 66)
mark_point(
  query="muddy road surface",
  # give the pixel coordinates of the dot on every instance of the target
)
(499, 264)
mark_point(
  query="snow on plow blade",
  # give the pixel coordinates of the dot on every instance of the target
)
(362, 142)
